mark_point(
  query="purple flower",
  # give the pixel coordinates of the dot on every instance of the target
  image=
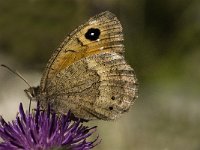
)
(43, 130)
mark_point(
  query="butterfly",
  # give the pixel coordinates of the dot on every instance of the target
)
(88, 74)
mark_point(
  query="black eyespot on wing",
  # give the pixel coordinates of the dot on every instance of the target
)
(92, 34)
(111, 108)
(113, 97)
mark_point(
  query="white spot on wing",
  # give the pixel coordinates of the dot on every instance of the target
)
(101, 48)
(92, 22)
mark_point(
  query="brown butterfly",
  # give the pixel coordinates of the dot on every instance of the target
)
(88, 74)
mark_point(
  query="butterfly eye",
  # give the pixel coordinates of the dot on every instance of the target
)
(92, 34)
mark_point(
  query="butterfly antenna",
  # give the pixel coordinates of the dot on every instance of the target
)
(16, 73)
(20, 76)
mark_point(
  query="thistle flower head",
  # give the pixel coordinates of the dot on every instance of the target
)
(43, 130)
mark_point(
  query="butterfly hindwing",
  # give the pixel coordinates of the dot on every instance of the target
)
(101, 86)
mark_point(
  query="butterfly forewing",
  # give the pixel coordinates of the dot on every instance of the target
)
(76, 46)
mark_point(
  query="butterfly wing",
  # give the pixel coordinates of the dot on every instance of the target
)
(102, 33)
(88, 75)
(101, 86)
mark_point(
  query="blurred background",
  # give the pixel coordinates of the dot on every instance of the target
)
(162, 45)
